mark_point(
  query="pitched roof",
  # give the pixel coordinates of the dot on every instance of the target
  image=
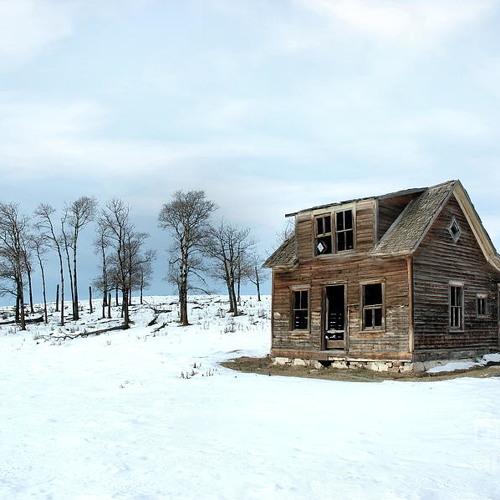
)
(411, 226)
(284, 255)
(408, 230)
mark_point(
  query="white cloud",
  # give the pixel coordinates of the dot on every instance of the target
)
(414, 22)
(50, 138)
(487, 75)
(447, 123)
(28, 26)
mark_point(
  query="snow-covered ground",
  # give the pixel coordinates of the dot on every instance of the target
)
(139, 414)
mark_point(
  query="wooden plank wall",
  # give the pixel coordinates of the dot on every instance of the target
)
(349, 268)
(437, 261)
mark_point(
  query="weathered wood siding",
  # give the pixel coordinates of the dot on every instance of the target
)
(364, 233)
(351, 268)
(440, 260)
(392, 342)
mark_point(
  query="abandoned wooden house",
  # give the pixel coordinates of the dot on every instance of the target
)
(387, 282)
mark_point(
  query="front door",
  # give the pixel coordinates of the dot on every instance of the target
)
(334, 317)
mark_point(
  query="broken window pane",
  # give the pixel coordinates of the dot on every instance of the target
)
(323, 235)
(373, 294)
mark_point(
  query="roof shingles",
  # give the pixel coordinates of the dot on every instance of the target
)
(402, 237)
(406, 232)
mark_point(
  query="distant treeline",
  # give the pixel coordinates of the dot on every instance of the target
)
(200, 248)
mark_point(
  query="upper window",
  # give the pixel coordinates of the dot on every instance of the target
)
(334, 234)
(454, 230)
(323, 235)
(344, 230)
(300, 312)
(373, 306)
(456, 307)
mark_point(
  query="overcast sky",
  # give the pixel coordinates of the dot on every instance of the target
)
(270, 106)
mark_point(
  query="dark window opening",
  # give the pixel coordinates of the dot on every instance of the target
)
(323, 235)
(335, 312)
(456, 307)
(300, 310)
(344, 230)
(481, 306)
(372, 306)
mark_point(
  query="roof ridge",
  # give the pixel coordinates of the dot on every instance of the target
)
(391, 194)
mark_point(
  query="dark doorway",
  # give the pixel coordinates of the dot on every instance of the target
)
(335, 324)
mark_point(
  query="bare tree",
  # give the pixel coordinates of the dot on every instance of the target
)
(38, 245)
(102, 282)
(226, 247)
(77, 215)
(186, 216)
(286, 231)
(145, 272)
(45, 224)
(124, 262)
(28, 264)
(13, 242)
(255, 273)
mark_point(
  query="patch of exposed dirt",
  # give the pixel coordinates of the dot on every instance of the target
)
(264, 366)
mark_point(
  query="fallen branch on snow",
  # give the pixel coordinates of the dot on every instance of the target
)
(69, 336)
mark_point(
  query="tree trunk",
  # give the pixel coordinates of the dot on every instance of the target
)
(90, 300)
(257, 283)
(183, 289)
(30, 289)
(76, 313)
(125, 306)
(104, 302)
(57, 298)
(17, 309)
(109, 305)
(72, 289)
(20, 295)
(44, 292)
(61, 272)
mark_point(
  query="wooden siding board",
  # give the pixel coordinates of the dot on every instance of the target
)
(393, 272)
(437, 261)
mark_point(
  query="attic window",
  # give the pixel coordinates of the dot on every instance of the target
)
(344, 231)
(454, 230)
(323, 242)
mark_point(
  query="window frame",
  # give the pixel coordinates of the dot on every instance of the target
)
(294, 309)
(482, 311)
(321, 236)
(333, 234)
(344, 231)
(455, 235)
(453, 308)
(372, 307)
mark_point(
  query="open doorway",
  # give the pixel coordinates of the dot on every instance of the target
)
(335, 317)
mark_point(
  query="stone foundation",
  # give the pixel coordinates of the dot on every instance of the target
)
(422, 360)
(342, 364)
